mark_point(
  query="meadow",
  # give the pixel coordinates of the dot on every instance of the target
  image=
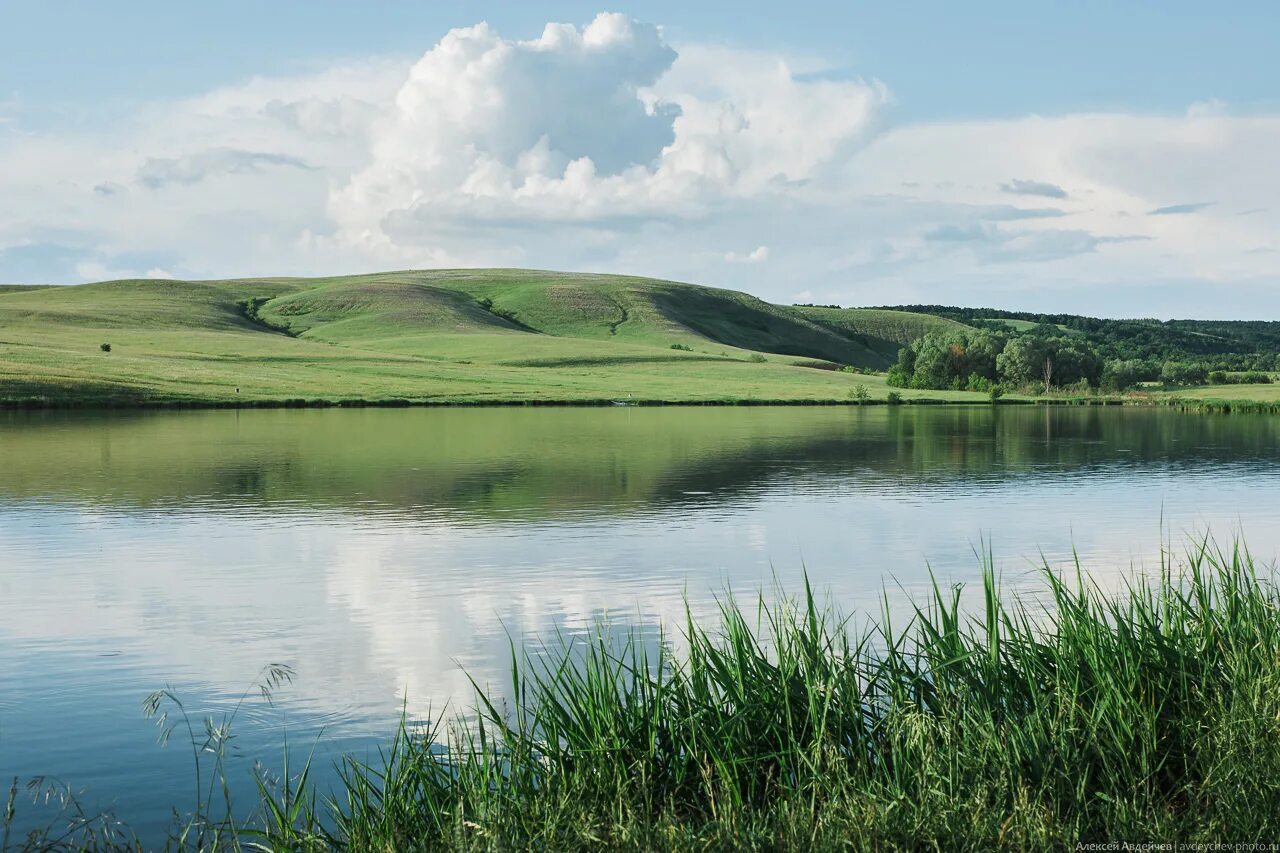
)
(475, 336)
(979, 723)
(462, 337)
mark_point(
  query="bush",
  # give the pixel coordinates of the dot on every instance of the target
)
(757, 358)
(1249, 377)
(682, 347)
(979, 383)
(894, 398)
(105, 347)
(860, 393)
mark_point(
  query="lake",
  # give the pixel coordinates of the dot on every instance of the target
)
(386, 554)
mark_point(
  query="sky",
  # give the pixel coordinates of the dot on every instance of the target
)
(1115, 159)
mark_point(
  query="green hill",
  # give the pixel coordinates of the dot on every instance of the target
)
(442, 335)
(880, 330)
(395, 306)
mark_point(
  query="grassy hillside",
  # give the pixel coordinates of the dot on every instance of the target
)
(880, 330)
(1024, 325)
(433, 336)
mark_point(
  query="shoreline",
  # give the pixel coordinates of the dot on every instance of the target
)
(1204, 405)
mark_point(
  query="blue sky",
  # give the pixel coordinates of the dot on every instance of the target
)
(943, 59)
(919, 120)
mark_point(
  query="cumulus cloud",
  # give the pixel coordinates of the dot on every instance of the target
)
(1017, 186)
(598, 127)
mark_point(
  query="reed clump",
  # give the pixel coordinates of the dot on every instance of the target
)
(1153, 715)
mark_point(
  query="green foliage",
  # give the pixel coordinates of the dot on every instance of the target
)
(1249, 377)
(860, 393)
(1183, 373)
(956, 360)
(105, 347)
(757, 358)
(1023, 359)
(1123, 374)
(978, 360)
(682, 347)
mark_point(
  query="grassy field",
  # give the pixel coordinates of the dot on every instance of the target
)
(1027, 325)
(456, 337)
(460, 336)
(1152, 717)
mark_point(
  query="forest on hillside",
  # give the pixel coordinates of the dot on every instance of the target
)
(1002, 350)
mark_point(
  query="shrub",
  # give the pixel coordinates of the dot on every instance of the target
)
(682, 347)
(860, 393)
(894, 398)
(978, 383)
(757, 358)
(105, 347)
(1249, 377)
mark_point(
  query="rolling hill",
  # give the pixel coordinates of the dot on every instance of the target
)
(454, 336)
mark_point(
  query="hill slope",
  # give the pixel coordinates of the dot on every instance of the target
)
(442, 335)
(593, 307)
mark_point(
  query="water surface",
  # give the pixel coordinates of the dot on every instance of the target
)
(383, 554)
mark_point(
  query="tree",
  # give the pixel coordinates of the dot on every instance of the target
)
(1183, 373)
(1123, 374)
(901, 373)
(956, 359)
(1074, 361)
(1022, 360)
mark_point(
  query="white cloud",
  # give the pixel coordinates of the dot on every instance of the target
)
(606, 147)
(758, 255)
(1022, 186)
(604, 127)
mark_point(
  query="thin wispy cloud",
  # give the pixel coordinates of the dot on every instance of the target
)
(1018, 186)
(157, 172)
(1179, 209)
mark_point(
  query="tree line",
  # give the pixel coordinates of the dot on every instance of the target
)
(1040, 360)
(1220, 345)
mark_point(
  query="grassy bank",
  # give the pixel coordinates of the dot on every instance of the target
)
(1150, 717)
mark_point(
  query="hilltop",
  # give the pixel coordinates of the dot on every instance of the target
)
(448, 336)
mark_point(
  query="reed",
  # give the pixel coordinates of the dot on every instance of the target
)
(1154, 715)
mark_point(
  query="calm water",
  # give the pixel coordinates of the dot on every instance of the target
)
(382, 553)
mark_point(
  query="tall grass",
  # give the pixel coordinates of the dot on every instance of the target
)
(1153, 715)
